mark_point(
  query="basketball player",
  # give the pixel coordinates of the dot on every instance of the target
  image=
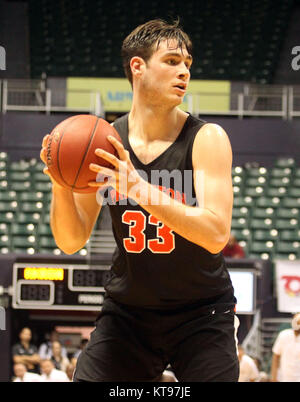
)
(169, 300)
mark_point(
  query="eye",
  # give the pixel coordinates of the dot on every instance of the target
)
(172, 62)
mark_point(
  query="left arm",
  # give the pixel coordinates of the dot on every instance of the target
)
(207, 224)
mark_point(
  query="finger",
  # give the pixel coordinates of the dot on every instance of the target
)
(101, 178)
(45, 139)
(43, 155)
(108, 157)
(101, 169)
(97, 184)
(122, 152)
(46, 171)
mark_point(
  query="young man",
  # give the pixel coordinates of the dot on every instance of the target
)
(169, 299)
(286, 354)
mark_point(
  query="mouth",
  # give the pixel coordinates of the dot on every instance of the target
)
(182, 87)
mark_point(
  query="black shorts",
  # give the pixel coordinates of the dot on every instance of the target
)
(135, 344)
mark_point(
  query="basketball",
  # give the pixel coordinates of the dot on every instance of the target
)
(71, 148)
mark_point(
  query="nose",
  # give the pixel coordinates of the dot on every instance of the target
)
(183, 72)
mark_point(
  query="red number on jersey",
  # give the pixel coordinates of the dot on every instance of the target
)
(166, 239)
(136, 243)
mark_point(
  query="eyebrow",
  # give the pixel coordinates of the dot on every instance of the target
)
(173, 54)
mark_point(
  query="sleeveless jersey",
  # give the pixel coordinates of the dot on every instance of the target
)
(154, 267)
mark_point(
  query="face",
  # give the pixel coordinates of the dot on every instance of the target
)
(53, 336)
(19, 370)
(47, 367)
(296, 322)
(25, 335)
(56, 348)
(166, 74)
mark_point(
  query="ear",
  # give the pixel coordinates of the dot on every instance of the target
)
(137, 65)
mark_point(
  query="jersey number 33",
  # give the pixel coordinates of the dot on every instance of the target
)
(164, 243)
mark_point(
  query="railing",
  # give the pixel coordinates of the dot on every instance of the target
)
(252, 342)
(101, 242)
(251, 100)
(38, 98)
(246, 103)
(294, 101)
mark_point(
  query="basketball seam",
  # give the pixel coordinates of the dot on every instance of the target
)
(84, 156)
(58, 164)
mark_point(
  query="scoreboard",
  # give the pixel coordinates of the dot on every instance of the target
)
(59, 286)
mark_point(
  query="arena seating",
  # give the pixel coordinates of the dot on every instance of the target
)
(266, 209)
(232, 40)
(265, 215)
(25, 195)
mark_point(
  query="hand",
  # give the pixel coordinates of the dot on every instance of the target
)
(123, 176)
(30, 366)
(43, 156)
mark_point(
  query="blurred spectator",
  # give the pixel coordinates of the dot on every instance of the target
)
(25, 352)
(45, 350)
(248, 368)
(286, 354)
(60, 362)
(82, 345)
(51, 374)
(22, 375)
(263, 376)
(233, 249)
(70, 371)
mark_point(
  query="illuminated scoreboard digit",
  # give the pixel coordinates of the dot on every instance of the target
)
(59, 287)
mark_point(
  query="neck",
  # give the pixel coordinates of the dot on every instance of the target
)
(154, 122)
(25, 344)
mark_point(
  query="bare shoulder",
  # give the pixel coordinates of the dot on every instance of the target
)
(211, 132)
(211, 144)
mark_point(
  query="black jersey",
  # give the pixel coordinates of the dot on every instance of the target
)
(154, 267)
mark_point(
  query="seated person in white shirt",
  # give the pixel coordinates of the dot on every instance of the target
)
(51, 374)
(22, 375)
(248, 369)
(286, 354)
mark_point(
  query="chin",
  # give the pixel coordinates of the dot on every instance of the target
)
(179, 101)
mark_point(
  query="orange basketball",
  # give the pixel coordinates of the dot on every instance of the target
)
(71, 148)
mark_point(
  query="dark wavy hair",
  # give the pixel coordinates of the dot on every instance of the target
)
(141, 41)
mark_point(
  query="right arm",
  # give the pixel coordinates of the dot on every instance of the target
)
(275, 366)
(72, 215)
(72, 218)
(277, 352)
(29, 360)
